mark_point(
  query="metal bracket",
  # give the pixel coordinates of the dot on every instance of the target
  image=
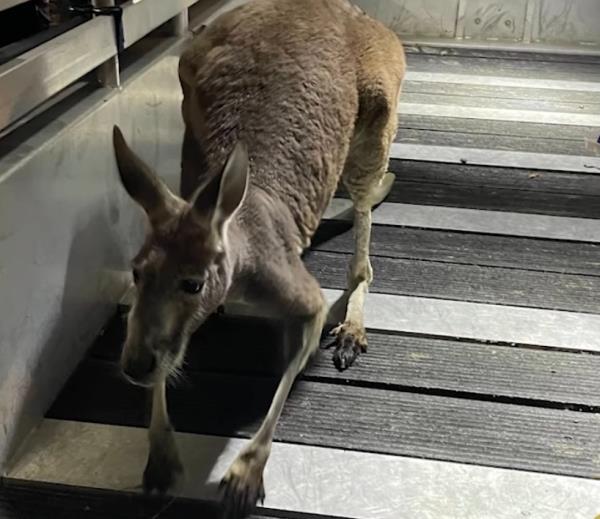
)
(115, 11)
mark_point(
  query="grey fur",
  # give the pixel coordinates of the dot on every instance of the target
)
(310, 88)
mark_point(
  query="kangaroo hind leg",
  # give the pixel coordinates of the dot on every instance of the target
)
(368, 182)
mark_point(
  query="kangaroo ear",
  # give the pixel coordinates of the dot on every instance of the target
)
(141, 183)
(221, 197)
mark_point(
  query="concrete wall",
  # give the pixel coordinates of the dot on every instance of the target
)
(574, 22)
(68, 230)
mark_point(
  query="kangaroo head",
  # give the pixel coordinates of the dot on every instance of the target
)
(182, 273)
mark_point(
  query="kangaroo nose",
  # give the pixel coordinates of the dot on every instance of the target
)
(139, 368)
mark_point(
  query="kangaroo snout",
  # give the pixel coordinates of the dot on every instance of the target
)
(139, 369)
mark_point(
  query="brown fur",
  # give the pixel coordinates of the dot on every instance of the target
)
(306, 91)
(311, 67)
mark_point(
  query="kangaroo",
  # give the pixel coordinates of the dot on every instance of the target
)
(282, 99)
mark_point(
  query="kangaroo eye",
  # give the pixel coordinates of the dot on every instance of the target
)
(191, 286)
(136, 275)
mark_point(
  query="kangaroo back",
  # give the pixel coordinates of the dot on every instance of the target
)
(284, 77)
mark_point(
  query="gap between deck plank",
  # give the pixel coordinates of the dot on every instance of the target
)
(356, 418)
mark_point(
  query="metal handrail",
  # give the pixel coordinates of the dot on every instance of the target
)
(37, 75)
(7, 4)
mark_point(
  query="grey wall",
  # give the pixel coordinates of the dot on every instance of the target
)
(537, 21)
(67, 231)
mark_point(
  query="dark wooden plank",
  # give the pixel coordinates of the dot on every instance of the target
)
(484, 198)
(492, 142)
(470, 100)
(38, 500)
(472, 283)
(493, 127)
(487, 370)
(473, 52)
(498, 189)
(424, 363)
(468, 431)
(466, 248)
(574, 98)
(530, 181)
(356, 418)
(21, 499)
(494, 188)
(507, 68)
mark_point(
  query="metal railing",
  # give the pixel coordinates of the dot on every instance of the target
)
(7, 4)
(37, 75)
